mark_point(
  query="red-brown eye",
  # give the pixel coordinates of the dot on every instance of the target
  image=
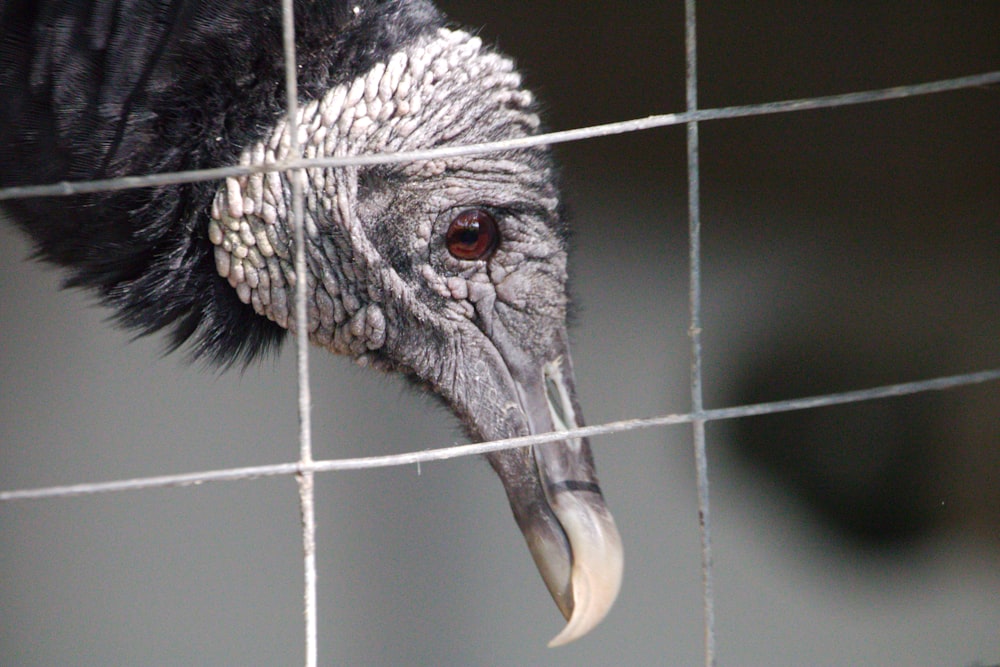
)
(472, 235)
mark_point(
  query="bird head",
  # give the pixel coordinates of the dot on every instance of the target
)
(450, 270)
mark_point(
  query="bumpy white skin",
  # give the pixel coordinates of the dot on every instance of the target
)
(418, 99)
(383, 288)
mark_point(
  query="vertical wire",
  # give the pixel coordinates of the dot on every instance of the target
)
(697, 406)
(305, 477)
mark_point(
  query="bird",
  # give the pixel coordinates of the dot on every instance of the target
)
(451, 271)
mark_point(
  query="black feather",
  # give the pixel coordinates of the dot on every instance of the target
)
(110, 88)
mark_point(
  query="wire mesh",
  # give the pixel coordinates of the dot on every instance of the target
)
(305, 467)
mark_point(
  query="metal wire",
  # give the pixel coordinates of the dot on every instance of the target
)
(306, 467)
(474, 449)
(66, 188)
(694, 331)
(307, 505)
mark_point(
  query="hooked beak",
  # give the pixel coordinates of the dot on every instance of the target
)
(554, 494)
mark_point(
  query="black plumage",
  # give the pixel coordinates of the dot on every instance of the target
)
(95, 90)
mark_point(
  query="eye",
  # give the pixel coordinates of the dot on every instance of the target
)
(472, 235)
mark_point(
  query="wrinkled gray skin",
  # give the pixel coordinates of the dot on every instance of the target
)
(488, 335)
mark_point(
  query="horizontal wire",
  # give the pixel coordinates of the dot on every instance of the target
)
(67, 188)
(444, 453)
(609, 129)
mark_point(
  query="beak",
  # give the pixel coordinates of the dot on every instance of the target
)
(554, 493)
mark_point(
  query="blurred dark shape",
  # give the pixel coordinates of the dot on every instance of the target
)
(867, 470)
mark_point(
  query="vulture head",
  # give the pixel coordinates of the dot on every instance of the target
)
(451, 271)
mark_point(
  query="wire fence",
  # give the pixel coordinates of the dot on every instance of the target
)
(306, 467)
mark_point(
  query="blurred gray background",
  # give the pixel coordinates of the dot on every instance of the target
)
(842, 248)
